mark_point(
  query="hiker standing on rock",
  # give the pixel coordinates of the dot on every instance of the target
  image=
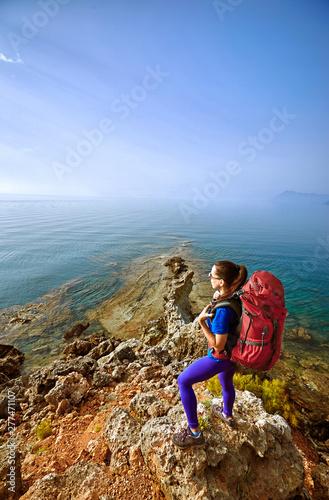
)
(226, 278)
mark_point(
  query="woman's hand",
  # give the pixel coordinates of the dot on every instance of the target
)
(204, 315)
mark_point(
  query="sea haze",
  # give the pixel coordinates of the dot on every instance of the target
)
(47, 243)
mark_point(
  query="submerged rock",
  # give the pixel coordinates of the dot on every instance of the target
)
(296, 334)
(75, 331)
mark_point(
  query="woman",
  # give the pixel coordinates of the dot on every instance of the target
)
(226, 277)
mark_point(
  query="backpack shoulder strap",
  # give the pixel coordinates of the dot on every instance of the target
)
(234, 304)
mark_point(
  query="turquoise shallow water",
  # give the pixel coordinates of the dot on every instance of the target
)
(47, 243)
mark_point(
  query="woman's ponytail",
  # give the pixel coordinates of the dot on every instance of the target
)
(233, 274)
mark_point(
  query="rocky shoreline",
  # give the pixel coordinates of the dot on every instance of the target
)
(97, 422)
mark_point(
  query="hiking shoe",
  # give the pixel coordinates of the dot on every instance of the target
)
(218, 411)
(184, 438)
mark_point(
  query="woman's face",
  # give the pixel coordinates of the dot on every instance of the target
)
(216, 282)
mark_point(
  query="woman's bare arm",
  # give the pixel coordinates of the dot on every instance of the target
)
(216, 341)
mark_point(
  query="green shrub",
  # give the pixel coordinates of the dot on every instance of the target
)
(272, 392)
(43, 429)
(203, 422)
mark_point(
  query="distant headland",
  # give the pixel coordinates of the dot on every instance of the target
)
(296, 197)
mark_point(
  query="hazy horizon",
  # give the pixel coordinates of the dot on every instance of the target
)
(41, 196)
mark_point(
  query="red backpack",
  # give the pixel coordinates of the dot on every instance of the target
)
(256, 341)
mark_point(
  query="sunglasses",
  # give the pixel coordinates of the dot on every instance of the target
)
(210, 276)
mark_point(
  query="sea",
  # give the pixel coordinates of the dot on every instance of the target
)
(46, 243)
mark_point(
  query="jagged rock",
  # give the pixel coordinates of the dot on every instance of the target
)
(42, 380)
(77, 348)
(10, 360)
(134, 368)
(10, 472)
(148, 373)
(121, 435)
(309, 391)
(101, 379)
(320, 476)
(233, 460)
(72, 387)
(125, 350)
(158, 354)
(176, 265)
(177, 309)
(174, 369)
(82, 481)
(176, 329)
(63, 405)
(121, 429)
(75, 331)
(118, 373)
(103, 349)
(153, 332)
(174, 469)
(186, 341)
(148, 405)
(99, 448)
(16, 388)
(97, 338)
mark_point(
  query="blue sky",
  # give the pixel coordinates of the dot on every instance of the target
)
(164, 99)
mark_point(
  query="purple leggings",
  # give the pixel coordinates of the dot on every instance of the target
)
(204, 369)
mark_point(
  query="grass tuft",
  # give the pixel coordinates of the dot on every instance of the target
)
(43, 429)
(272, 392)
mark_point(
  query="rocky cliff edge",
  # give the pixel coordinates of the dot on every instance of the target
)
(110, 413)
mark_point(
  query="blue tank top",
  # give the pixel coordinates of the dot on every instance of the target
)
(222, 323)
